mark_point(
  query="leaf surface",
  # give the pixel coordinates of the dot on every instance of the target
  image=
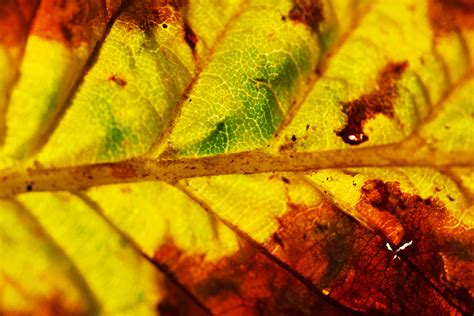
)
(245, 157)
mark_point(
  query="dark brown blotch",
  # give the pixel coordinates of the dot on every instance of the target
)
(308, 12)
(379, 101)
(148, 14)
(189, 36)
(118, 80)
(448, 16)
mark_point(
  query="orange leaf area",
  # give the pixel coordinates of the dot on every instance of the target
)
(433, 234)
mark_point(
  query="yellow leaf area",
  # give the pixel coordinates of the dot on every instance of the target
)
(236, 157)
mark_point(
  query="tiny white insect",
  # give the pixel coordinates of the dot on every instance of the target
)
(402, 247)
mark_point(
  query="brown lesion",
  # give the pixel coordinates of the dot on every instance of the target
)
(309, 12)
(350, 263)
(72, 22)
(244, 283)
(15, 18)
(437, 242)
(448, 16)
(376, 207)
(149, 14)
(379, 101)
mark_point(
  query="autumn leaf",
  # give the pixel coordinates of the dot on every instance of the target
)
(236, 157)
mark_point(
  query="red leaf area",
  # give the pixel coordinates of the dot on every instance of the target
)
(246, 283)
(440, 248)
(15, 17)
(347, 263)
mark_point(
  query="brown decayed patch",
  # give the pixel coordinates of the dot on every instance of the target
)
(13, 23)
(189, 36)
(26, 7)
(308, 12)
(459, 271)
(149, 14)
(448, 16)
(72, 22)
(246, 283)
(440, 247)
(379, 101)
(351, 264)
(178, 302)
(372, 208)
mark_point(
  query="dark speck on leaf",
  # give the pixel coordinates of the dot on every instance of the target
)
(293, 138)
(118, 80)
(164, 25)
(29, 187)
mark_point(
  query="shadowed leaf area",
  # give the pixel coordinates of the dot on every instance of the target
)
(237, 157)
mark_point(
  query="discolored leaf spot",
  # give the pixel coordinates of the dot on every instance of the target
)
(375, 205)
(14, 20)
(118, 80)
(350, 264)
(379, 101)
(246, 283)
(448, 16)
(189, 36)
(71, 21)
(308, 12)
(178, 302)
(149, 14)
(437, 242)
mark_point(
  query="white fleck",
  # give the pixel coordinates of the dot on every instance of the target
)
(352, 137)
(402, 247)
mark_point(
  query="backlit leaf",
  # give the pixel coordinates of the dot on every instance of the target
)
(236, 157)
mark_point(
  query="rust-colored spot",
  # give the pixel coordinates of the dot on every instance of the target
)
(72, 22)
(123, 171)
(308, 12)
(433, 234)
(118, 80)
(149, 14)
(379, 101)
(448, 16)
(189, 36)
(245, 283)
